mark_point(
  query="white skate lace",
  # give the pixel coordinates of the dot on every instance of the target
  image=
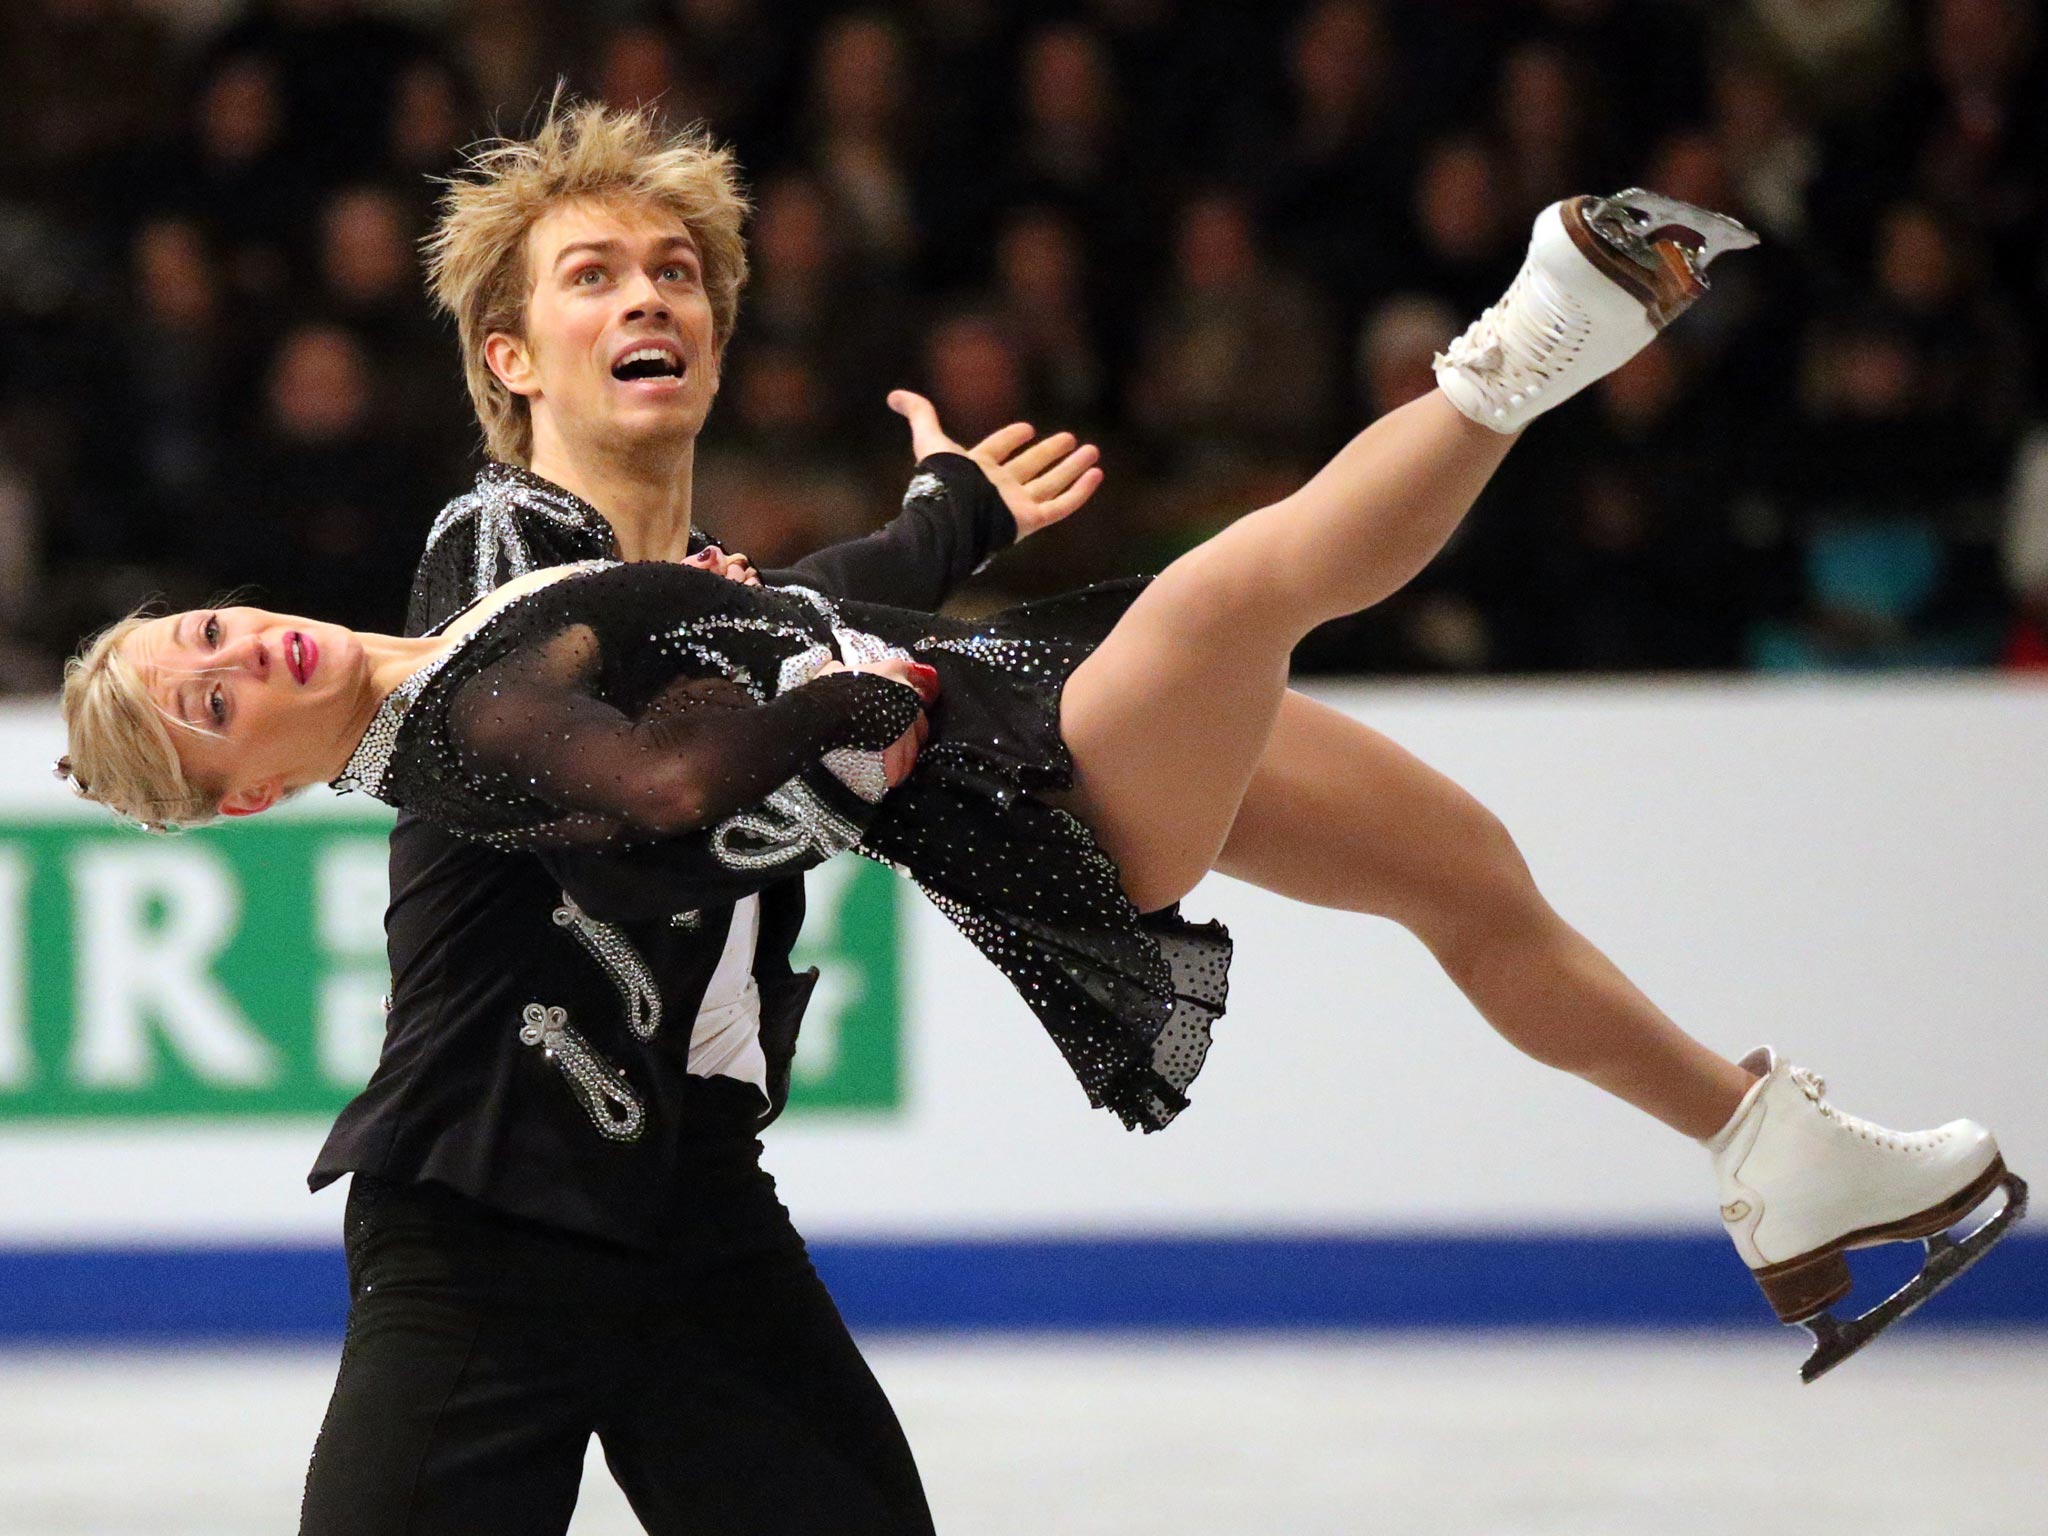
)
(1517, 346)
(1815, 1088)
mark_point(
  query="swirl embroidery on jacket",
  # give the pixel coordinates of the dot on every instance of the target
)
(615, 953)
(614, 1108)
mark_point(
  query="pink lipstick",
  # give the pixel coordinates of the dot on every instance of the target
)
(301, 654)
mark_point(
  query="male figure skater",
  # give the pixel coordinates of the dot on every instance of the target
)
(558, 1224)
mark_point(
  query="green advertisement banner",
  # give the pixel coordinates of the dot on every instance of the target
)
(239, 972)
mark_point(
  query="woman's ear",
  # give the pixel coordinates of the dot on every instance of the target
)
(256, 797)
(507, 357)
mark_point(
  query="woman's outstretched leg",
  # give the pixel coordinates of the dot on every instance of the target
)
(1166, 720)
(1339, 816)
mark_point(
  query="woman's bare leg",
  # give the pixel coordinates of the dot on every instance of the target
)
(1168, 717)
(1339, 816)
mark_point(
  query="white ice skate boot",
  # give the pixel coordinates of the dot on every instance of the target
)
(1603, 276)
(1802, 1184)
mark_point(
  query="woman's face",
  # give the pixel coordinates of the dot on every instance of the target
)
(259, 703)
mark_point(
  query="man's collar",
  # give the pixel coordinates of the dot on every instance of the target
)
(502, 479)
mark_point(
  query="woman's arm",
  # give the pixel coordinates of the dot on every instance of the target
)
(708, 753)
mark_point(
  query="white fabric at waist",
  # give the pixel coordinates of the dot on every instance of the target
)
(725, 1039)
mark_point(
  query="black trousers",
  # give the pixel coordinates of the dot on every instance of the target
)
(483, 1353)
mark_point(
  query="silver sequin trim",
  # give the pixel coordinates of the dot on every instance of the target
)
(690, 640)
(371, 760)
(614, 1108)
(858, 648)
(791, 824)
(502, 493)
(860, 771)
(611, 949)
(995, 650)
(817, 600)
(802, 668)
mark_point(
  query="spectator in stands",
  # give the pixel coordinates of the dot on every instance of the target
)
(1236, 359)
(1865, 374)
(1553, 142)
(337, 66)
(370, 285)
(1932, 283)
(1328, 174)
(810, 295)
(778, 486)
(859, 145)
(1047, 303)
(432, 116)
(1464, 243)
(513, 51)
(1766, 144)
(976, 374)
(231, 172)
(1437, 623)
(168, 388)
(1899, 462)
(637, 68)
(2024, 548)
(1395, 350)
(1636, 563)
(321, 507)
(1071, 151)
(1983, 133)
(1841, 55)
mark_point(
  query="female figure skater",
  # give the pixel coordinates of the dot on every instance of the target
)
(1056, 778)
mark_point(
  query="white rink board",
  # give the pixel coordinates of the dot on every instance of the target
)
(1850, 871)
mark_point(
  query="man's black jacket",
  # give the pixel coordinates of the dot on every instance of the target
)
(484, 945)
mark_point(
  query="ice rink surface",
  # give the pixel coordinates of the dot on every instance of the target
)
(1551, 1435)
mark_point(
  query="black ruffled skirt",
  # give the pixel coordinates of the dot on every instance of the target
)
(1128, 997)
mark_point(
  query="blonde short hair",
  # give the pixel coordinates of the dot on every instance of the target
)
(476, 254)
(121, 752)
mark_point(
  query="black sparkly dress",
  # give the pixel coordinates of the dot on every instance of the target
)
(629, 704)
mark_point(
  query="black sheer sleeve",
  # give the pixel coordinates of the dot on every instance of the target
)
(953, 521)
(525, 730)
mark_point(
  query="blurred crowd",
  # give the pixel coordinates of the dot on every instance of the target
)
(1215, 237)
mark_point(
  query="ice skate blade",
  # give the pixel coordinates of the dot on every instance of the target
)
(1800, 1287)
(1654, 246)
(1947, 1258)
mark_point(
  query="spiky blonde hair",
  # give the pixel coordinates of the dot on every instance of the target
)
(120, 750)
(584, 152)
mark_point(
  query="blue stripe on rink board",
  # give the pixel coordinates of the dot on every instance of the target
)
(1527, 1280)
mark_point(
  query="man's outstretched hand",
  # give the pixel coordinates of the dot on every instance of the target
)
(1040, 482)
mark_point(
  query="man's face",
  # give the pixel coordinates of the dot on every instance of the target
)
(618, 348)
